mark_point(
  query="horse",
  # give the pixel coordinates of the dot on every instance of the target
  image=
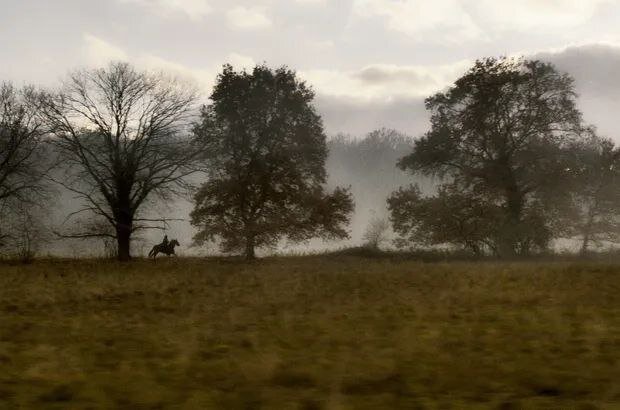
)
(161, 248)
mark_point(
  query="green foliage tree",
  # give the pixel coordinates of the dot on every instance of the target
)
(265, 158)
(500, 133)
(450, 217)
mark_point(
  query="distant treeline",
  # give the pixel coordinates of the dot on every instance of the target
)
(507, 167)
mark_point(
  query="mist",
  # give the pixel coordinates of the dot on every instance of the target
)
(366, 139)
(365, 163)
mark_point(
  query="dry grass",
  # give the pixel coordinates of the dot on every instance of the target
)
(309, 333)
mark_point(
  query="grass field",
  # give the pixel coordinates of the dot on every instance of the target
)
(321, 332)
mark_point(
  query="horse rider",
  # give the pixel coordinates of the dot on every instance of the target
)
(165, 242)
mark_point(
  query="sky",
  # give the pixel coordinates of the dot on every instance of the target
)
(371, 62)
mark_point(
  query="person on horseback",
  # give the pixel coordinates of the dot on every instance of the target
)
(166, 247)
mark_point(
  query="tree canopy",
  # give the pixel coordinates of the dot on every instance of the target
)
(265, 158)
(500, 134)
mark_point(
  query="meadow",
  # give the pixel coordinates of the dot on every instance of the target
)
(315, 332)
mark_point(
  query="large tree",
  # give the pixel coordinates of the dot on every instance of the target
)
(501, 132)
(22, 153)
(121, 136)
(265, 155)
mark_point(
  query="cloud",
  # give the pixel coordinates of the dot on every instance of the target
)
(354, 101)
(204, 78)
(321, 45)
(358, 117)
(99, 52)
(461, 21)
(386, 74)
(443, 21)
(240, 62)
(244, 18)
(194, 9)
(384, 81)
(535, 14)
(311, 2)
(392, 96)
(595, 69)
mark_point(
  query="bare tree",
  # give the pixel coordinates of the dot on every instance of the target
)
(21, 151)
(376, 232)
(121, 136)
(25, 231)
(22, 169)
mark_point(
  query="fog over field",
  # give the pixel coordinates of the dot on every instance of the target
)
(371, 63)
(366, 160)
(365, 163)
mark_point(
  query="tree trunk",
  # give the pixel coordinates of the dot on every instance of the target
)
(510, 235)
(123, 240)
(585, 243)
(124, 225)
(475, 249)
(249, 248)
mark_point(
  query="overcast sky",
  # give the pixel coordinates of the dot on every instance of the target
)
(371, 62)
